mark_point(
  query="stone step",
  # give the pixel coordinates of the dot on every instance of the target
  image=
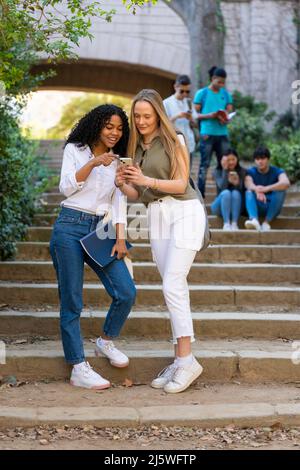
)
(281, 222)
(292, 197)
(56, 198)
(280, 254)
(147, 273)
(147, 324)
(214, 297)
(249, 237)
(228, 405)
(289, 210)
(252, 361)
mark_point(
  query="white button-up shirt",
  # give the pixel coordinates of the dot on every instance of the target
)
(96, 195)
(173, 107)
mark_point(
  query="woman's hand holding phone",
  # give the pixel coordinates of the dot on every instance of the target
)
(135, 175)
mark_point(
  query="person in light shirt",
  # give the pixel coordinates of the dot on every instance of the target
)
(180, 111)
(176, 216)
(87, 180)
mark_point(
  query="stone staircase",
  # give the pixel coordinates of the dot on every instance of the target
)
(245, 296)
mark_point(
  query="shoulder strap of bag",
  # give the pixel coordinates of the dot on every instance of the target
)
(207, 232)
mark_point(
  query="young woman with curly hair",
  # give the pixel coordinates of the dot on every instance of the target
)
(87, 180)
(176, 217)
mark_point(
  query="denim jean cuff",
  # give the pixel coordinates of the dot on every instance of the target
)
(75, 361)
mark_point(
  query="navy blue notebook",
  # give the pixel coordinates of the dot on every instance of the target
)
(99, 244)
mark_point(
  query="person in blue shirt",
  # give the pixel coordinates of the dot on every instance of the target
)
(213, 128)
(266, 188)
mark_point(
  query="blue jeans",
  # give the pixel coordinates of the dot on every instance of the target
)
(209, 144)
(68, 258)
(228, 203)
(269, 210)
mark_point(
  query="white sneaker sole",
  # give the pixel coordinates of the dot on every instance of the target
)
(94, 387)
(157, 386)
(251, 226)
(114, 364)
(184, 387)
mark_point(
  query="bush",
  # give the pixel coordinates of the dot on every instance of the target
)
(22, 179)
(286, 154)
(247, 129)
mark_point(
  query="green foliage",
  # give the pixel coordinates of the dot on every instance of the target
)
(286, 125)
(286, 154)
(29, 29)
(77, 107)
(51, 27)
(132, 5)
(246, 132)
(247, 129)
(22, 179)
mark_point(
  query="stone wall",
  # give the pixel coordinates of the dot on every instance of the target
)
(260, 49)
(151, 48)
(155, 37)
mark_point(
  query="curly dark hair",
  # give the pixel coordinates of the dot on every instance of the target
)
(86, 131)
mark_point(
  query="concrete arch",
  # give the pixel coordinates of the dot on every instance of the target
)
(131, 53)
(107, 77)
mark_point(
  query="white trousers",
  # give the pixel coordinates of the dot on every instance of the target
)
(176, 234)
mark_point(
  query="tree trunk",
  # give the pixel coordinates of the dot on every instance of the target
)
(207, 33)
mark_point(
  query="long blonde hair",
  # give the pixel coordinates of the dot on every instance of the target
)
(178, 157)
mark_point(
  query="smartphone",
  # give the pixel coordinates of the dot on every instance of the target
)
(233, 173)
(126, 161)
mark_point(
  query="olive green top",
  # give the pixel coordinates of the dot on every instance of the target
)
(155, 163)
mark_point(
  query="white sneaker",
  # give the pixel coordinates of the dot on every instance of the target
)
(234, 226)
(227, 227)
(109, 350)
(164, 376)
(252, 224)
(265, 227)
(84, 376)
(183, 377)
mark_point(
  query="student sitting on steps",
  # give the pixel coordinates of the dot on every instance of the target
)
(266, 188)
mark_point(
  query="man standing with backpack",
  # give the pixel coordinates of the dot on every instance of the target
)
(213, 103)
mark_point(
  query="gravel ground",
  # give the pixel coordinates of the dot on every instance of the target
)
(149, 438)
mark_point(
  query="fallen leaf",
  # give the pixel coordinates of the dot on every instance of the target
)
(44, 442)
(21, 384)
(277, 425)
(127, 383)
(10, 380)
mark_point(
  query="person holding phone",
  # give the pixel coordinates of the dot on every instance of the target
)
(180, 110)
(88, 172)
(229, 177)
(176, 219)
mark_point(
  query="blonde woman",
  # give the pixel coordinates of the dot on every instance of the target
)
(160, 179)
